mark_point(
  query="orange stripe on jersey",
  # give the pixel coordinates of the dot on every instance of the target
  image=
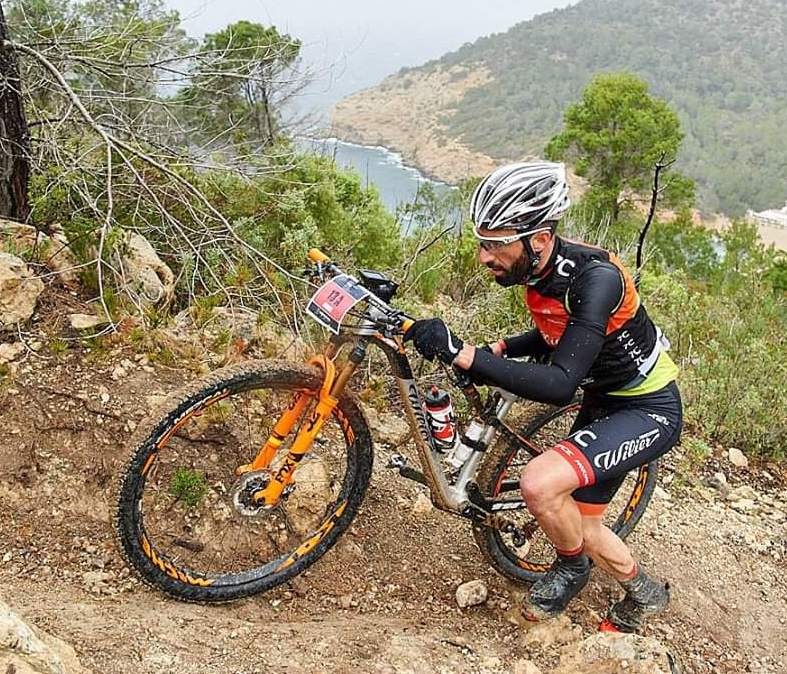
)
(630, 303)
(549, 315)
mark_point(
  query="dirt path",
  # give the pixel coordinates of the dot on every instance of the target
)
(383, 599)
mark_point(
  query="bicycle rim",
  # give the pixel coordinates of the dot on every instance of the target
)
(194, 519)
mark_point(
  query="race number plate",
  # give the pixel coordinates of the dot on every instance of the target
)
(330, 304)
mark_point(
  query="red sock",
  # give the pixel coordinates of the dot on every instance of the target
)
(576, 552)
(631, 574)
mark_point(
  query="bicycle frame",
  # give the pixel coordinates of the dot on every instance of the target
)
(460, 496)
(453, 497)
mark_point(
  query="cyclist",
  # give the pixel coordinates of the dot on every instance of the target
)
(591, 331)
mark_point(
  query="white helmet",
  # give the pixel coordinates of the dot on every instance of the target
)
(520, 196)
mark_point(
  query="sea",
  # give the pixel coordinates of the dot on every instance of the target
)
(396, 182)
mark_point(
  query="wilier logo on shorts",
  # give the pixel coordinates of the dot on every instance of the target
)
(627, 449)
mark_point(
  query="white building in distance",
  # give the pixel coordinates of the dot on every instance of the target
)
(770, 218)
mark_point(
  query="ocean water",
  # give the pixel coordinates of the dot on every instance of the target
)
(379, 166)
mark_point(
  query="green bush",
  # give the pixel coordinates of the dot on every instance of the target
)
(189, 486)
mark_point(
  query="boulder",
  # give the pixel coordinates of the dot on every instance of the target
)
(610, 653)
(19, 291)
(51, 249)
(145, 277)
(27, 650)
(387, 428)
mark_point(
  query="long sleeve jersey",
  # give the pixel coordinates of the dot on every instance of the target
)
(590, 325)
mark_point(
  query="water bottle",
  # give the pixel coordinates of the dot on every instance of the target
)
(442, 423)
(464, 448)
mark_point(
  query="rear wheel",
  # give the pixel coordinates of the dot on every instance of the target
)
(498, 478)
(186, 521)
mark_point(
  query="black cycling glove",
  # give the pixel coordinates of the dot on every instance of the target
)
(432, 337)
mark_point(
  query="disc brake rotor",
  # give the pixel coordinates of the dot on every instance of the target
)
(244, 489)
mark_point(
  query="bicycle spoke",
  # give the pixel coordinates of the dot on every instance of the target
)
(189, 495)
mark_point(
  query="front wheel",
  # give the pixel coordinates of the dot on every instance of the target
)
(187, 522)
(498, 477)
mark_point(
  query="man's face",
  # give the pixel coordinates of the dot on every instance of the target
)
(510, 263)
(507, 262)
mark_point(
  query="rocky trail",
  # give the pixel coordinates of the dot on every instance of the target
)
(384, 599)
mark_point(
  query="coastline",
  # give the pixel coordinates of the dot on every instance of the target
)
(421, 173)
(403, 114)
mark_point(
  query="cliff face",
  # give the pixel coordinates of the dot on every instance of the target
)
(408, 113)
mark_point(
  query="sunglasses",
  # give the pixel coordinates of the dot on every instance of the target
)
(493, 243)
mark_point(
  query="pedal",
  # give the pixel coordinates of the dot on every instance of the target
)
(399, 463)
(396, 461)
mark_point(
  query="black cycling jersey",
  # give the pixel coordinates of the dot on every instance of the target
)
(589, 323)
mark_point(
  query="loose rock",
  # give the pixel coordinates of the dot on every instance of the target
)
(737, 457)
(422, 506)
(719, 482)
(19, 291)
(472, 593)
(12, 351)
(85, 321)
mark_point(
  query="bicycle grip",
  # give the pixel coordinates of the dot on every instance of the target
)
(316, 255)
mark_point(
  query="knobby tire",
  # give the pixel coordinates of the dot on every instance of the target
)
(259, 381)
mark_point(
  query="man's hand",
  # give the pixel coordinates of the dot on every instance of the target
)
(432, 337)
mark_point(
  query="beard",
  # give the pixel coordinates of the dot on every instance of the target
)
(519, 273)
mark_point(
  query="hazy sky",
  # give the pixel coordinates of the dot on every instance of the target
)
(353, 44)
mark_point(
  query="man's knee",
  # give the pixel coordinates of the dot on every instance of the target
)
(543, 486)
(535, 488)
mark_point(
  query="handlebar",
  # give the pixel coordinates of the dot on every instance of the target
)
(323, 262)
(316, 255)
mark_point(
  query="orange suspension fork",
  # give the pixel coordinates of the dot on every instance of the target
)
(326, 403)
(289, 419)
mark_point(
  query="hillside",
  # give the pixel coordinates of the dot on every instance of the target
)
(720, 63)
(383, 599)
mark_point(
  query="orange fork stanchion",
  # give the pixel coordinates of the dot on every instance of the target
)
(270, 495)
(286, 422)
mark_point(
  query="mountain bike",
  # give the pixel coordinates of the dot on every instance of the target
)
(255, 472)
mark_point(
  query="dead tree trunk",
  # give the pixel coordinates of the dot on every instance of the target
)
(14, 135)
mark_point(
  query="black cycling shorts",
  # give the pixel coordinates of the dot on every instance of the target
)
(615, 434)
